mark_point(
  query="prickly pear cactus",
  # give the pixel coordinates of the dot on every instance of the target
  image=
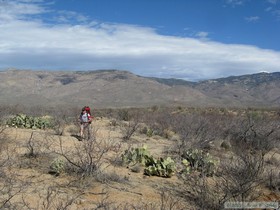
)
(198, 160)
(186, 167)
(160, 167)
(135, 155)
(153, 166)
(24, 121)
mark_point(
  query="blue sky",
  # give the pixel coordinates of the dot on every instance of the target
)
(186, 39)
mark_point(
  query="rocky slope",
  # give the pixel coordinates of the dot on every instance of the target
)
(113, 88)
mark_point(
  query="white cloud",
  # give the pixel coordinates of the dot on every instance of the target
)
(10, 10)
(252, 19)
(33, 44)
(268, 9)
(272, 1)
(69, 16)
(235, 2)
(276, 13)
(273, 9)
(202, 35)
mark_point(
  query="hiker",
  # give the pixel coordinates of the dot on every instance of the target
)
(85, 120)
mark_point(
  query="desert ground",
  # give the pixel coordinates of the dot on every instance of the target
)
(55, 169)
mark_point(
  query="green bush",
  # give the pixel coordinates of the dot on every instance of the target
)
(123, 114)
(24, 121)
(147, 131)
(57, 166)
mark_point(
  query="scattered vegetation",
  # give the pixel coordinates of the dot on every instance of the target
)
(216, 156)
(57, 166)
(24, 121)
(198, 160)
(162, 167)
(133, 156)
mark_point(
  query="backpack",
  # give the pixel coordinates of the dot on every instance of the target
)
(87, 108)
(89, 117)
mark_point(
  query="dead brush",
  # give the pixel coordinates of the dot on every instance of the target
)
(129, 130)
(85, 158)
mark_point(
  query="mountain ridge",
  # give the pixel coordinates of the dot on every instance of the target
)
(118, 88)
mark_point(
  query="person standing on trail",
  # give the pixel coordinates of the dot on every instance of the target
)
(85, 120)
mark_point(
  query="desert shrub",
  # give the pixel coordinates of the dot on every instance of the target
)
(272, 180)
(157, 121)
(109, 177)
(64, 117)
(254, 133)
(226, 145)
(59, 126)
(129, 129)
(190, 129)
(155, 108)
(113, 122)
(147, 131)
(85, 158)
(12, 109)
(57, 166)
(241, 176)
(201, 192)
(236, 179)
(150, 132)
(136, 168)
(162, 123)
(133, 120)
(3, 141)
(123, 114)
(10, 186)
(33, 147)
(167, 202)
(51, 198)
(168, 134)
(3, 138)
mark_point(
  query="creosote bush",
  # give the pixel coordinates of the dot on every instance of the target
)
(255, 132)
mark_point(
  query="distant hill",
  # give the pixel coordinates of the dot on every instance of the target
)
(262, 89)
(114, 88)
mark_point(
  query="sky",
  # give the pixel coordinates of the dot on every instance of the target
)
(184, 39)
